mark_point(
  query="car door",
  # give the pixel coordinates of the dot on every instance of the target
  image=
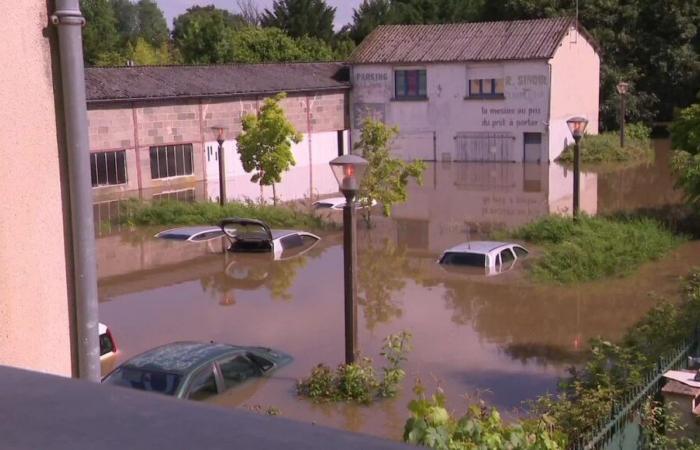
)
(236, 369)
(507, 260)
(203, 384)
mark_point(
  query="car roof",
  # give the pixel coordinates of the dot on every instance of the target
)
(184, 233)
(481, 247)
(180, 357)
(277, 234)
(331, 201)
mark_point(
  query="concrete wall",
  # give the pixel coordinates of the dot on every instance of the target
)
(134, 127)
(575, 89)
(34, 304)
(445, 125)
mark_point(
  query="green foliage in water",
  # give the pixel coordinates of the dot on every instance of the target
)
(170, 212)
(605, 147)
(358, 382)
(431, 425)
(616, 371)
(593, 248)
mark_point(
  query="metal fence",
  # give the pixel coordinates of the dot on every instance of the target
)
(623, 430)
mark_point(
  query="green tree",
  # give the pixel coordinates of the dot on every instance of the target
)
(151, 23)
(685, 137)
(100, 31)
(386, 177)
(204, 35)
(127, 20)
(368, 16)
(145, 54)
(265, 144)
(301, 18)
(257, 45)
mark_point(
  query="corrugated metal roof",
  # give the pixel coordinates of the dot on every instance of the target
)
(162, 82)
(480, 41)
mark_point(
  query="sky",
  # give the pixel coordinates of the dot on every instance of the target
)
(173, 8)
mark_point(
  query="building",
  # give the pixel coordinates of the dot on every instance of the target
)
(150, 127)
(495, 91)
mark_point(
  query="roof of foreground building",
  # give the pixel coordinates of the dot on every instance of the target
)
(478, 41)
(104, 84)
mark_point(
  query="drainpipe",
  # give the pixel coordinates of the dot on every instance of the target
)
(69, 22)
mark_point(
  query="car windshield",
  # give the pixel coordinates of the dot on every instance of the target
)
(145, 380)
(464, 259)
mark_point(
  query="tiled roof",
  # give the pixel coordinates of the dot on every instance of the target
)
(480, 41)
(163, 82)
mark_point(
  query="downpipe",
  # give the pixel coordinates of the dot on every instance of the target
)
(68, 20)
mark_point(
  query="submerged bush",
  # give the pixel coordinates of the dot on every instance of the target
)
(170, 212)
(592, 248)
(605, 147)
(358, 382)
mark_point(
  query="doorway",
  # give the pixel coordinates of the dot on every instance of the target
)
(532, 147)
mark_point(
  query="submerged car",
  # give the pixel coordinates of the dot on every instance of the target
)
(494, 257)
(247, 236)
(336, 203)
(195, 370)
(108, 348)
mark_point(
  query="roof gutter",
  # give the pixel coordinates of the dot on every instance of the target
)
(69, 21)
(342, 87)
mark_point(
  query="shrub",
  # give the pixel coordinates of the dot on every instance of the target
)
(605, 147)
(358, 382)
(592, 248)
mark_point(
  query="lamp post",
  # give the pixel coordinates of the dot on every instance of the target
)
(577, 126)
(622, 89)
(219, 134)
(349, 171)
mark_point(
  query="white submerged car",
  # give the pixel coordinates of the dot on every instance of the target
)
(494, 257)
(247, 236)
(336, 203)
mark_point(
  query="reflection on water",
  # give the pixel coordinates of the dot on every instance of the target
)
(503, 335)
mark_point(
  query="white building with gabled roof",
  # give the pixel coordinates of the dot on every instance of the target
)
(494, 91)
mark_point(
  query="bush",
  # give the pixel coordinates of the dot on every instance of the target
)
(605, 147)
(170, 212)
(591, 248)
(358, 382)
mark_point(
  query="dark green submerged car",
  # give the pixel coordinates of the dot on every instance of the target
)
(195, 370)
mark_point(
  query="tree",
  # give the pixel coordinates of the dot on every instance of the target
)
(151, 23)
(265, 144)
(685, 137)
(249, 11)
(300, 18)
(257, 45)
(204, 35)
(100, 31)
(386, 177)
(368, 16)
(127, 20)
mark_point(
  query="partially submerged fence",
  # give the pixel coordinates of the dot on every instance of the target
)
(623, 430)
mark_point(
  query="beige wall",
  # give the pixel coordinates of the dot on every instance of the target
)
(34, 316)
(136, 127)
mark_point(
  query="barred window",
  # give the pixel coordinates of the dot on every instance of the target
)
(182, 195)
(410, 84)
(108, 168)
(171, 161)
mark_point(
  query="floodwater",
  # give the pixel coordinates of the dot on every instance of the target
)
(503, 338)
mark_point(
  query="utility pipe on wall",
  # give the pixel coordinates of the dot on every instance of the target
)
(69, 22)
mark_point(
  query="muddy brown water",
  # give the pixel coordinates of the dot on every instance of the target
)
(502, 338)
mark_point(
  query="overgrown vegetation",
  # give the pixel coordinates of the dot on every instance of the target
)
(605, 147)
(386, 178)
(481, 427)
(592, 248)
(685, 138)
(358, 382)
(169, 212)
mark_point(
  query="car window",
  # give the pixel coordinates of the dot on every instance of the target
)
(203, 385)
(206, 236)
(291, 241)
(507, 256)
(464, 259)
(106, 344)
(145, 380)
(263, 363)
(238, 369)
(521, 252)
(320, 205)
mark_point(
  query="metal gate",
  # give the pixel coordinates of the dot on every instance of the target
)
(484, 146)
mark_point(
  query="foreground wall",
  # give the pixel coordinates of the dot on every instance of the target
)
(34, 292)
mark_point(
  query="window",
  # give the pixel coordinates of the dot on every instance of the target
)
(410, 84)
(507, 256)
(464, 259)
(171, 161)
(521, 252)
(488, 87)
(291, 241)
(145, 380)
(237, 370)
(108, 168)
(106, 344)
(182, 195)
(203, 385)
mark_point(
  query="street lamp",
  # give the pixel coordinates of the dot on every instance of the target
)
(219, 134)
(622, 89)
(577, 126)
(349, 171)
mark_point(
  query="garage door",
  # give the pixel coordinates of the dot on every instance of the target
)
(483, 146)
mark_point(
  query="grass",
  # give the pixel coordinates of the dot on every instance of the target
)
(170, 212)
(605, 147)
(593, 248)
